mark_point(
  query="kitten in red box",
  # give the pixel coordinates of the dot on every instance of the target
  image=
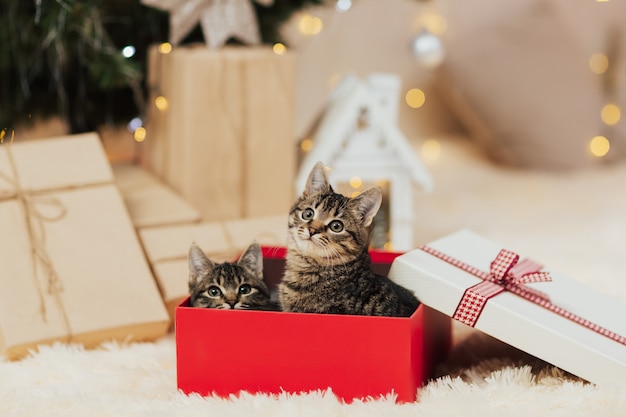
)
(229, 285)
(328, 268)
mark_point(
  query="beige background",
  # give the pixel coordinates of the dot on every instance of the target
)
(375, 36)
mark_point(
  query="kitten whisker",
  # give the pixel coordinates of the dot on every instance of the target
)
(332, 254)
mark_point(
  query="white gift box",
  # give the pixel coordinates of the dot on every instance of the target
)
(576, 329)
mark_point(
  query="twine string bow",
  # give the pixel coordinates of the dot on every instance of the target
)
(34, 218)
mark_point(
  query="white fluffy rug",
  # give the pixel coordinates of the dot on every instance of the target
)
(575, 223)
(140, 380)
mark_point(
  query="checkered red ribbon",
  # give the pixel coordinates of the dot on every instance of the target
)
(507, 274)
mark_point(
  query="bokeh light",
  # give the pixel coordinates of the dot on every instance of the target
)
(598, 63)
(128, 51)
(161, 103)
(599, 146)
(310, 25)
(135, 124)
(140, 134)
(610, 114)
(415, 98)
(165, 48)
(343, 5)
(306, 145)
(356, 182)
(279, 48)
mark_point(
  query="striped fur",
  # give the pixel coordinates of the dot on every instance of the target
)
(328, 268)
(229, 285)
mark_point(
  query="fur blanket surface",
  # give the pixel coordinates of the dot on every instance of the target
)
(574, 222)
(139, 379)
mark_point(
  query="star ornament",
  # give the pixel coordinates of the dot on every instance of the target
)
(220, 19)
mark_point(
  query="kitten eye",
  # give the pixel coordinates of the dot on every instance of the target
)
(245, 289)
(214, 291)
(336, 226)
(307, 214)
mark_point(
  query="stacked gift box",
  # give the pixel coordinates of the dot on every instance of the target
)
(91, 252)
(71, 265)
(224, 142)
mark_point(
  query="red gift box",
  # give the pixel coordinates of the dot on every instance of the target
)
(225, 352)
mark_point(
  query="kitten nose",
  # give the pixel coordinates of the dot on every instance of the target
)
(315, 228)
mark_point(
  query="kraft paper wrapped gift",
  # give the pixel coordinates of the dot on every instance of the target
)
(225, 141)
(149, 201)
(539, 311)
(71, 266)
(167, 248)
(357, 357)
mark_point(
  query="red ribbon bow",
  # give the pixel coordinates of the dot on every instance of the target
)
(507, 274)
(512, 275)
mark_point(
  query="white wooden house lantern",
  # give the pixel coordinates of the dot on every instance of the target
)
(359, 139)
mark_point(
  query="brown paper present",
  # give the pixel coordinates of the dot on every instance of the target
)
(167, 248)
(149, 201)
(71, 266)
(225, 141)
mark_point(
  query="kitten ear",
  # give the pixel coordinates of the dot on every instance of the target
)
(252, 260)
(367, 204)
(317, 182)
(199, 264)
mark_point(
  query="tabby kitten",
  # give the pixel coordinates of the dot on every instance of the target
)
(229, 285)
(328, 268)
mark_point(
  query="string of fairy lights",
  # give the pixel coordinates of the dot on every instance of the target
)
(600, 145)
(601, 65)
(428, 48)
